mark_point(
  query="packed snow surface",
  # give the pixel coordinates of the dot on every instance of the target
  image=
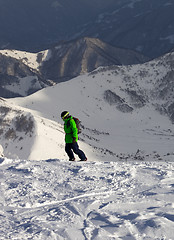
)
(56, 199)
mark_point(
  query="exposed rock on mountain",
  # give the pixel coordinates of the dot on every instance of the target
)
(113, 99)
(73, 58)
(137, 100)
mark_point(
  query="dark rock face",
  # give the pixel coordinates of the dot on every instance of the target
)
(137, 100)
(113, 99)
(171, 112)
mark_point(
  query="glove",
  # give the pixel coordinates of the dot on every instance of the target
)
(74, 140)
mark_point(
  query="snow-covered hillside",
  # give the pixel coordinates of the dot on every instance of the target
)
(25, 135)
(58, 200)
(125, 191)
(124, 109)
(32, 60)
(23, 73)
(19, 75)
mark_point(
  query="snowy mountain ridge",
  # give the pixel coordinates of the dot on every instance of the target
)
(29, 59)
(28, 72)
(73, 58)
(19, 75)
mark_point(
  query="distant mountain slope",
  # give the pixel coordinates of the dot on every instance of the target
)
(35, 25)
(70, 59)
(18, 79)
(23, 73)
(125, 110)
(146, 26)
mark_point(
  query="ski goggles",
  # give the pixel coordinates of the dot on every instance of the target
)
(65, 115)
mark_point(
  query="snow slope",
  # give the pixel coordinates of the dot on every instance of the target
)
(114, 195)
(58, 200)
(25, 135)
(119, 108)
(30, 59)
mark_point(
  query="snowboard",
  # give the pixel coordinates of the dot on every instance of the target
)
(78, 160)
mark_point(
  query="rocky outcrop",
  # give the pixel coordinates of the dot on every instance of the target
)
(120, 104)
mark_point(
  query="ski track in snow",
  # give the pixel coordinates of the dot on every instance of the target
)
(56, 199)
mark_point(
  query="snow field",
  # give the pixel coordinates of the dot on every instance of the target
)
(55, 199)
(24, 85)
(107, 129)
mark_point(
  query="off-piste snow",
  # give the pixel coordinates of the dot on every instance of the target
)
(60, 200)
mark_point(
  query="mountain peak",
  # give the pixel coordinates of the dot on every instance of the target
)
(83, 55)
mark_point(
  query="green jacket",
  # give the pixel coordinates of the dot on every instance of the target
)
(70, 130)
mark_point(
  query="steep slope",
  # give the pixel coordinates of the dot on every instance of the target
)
(127, 111)
(24, 135)
(24, 73)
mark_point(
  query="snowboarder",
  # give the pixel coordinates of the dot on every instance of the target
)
(71, 137)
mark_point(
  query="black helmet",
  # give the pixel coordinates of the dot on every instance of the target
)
(64, 114)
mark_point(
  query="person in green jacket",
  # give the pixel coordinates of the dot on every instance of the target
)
(71, 137)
